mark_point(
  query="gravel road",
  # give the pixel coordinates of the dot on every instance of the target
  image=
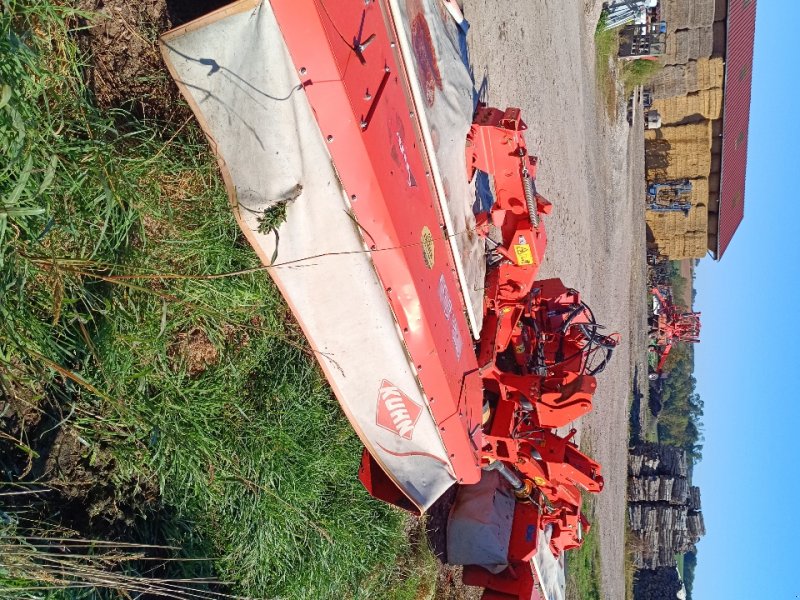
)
(539, 55)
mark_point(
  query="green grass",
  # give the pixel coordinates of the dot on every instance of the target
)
(583, 568)
(631, 544)
(606, 42)
(639, 72)
(651, 432)
(203, 386)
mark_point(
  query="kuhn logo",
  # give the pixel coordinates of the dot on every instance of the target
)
(397, 412)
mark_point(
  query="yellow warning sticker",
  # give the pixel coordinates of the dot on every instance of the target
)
(524, 255)
(427, 247)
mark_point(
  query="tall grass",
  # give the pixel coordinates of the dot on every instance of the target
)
(44, 562)
(632, 545)
(204, 386)
(583, 569)
(606, 42)
(639, 72)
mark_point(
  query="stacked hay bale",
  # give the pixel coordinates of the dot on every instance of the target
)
(689, 151)
(680, 234)
(688, 14)
(676, 80)
(704, 103)
(689, 97)
(663, 506)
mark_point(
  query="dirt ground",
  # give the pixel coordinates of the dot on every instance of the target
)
(540, 56)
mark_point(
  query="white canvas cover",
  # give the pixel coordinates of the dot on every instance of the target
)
(549, 569)
(479, 527)
(234, 69)
(479, 531)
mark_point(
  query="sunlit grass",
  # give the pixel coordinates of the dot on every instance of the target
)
(639, 72)
(606, 43)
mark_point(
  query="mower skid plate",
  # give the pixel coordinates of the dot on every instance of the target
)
(309, 108)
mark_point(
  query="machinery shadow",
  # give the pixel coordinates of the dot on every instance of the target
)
(635, 425)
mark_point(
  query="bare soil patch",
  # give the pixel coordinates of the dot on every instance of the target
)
(125, 69)
(195, 349)
(47, 457)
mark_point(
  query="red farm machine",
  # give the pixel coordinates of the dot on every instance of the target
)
(669, 324)
(454, 363)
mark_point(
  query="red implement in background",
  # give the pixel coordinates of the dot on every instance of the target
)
(669, 325)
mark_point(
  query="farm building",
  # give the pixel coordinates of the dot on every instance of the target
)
(700, 152)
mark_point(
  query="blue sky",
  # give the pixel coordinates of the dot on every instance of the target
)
(747, 363)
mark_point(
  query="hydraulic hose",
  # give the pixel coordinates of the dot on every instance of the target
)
(521, 489)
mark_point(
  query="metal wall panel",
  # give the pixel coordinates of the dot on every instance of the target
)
(736, 118)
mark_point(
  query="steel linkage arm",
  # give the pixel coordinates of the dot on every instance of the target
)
(496, 146)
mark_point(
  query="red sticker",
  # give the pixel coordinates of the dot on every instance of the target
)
(427, 66)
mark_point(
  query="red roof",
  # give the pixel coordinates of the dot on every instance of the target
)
(736, 118)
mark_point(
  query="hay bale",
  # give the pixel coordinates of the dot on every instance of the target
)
(669, 82)
(689, 150)
(705, 103)
(677, 14)
(689, 44)
(688, 77)
(705, 47)
(677, 51)
(703, 13)
(700, 192)
(699, 41)
(710, 73)
(681, 235)
(687, 14)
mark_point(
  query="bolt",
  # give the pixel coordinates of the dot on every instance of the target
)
(363, 125)
(303, 70)
(330, 138)
(367, 96)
